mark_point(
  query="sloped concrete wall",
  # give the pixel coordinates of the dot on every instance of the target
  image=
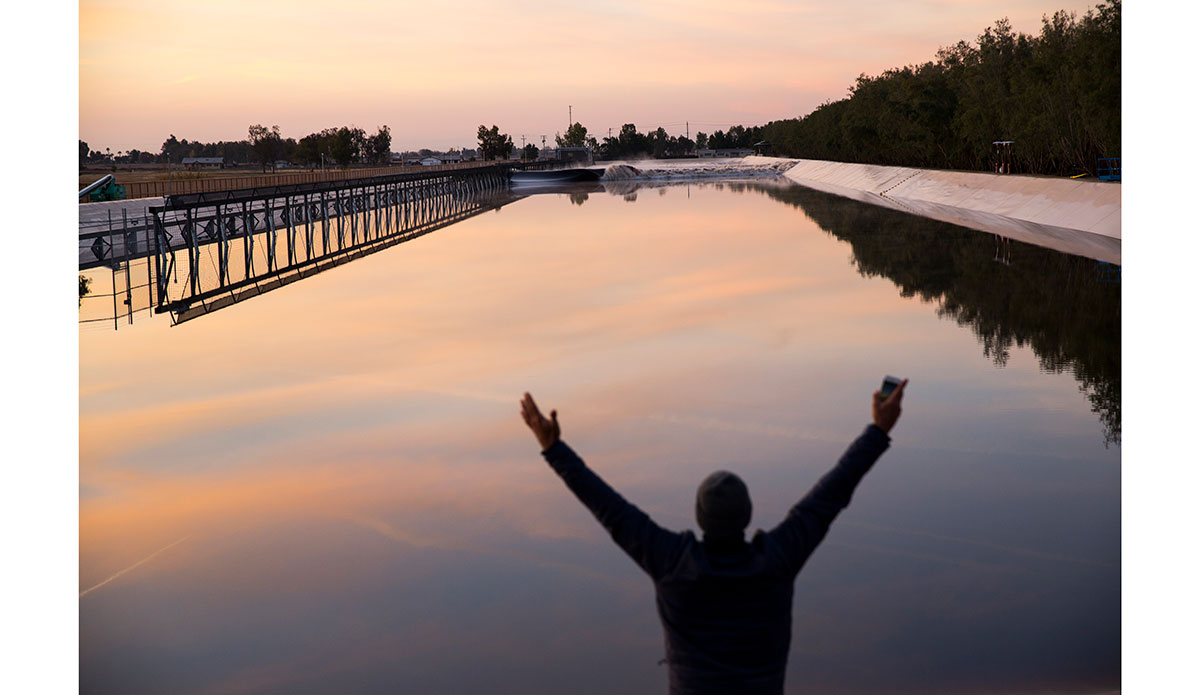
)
(1079, 217)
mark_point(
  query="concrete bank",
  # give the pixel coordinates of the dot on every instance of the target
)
(1077, 217)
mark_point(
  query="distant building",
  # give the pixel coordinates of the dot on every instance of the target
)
(204, 162)
(730, 152)
(437, 159)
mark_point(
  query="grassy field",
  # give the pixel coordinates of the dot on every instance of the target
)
(158, 172)
(148, 180)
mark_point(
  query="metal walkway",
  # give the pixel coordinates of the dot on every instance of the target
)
(205, 251)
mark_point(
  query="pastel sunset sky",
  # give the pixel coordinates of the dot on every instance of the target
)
(434, 71)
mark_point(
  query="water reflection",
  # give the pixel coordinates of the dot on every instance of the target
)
(1061, 305)
(329, 489)
(1067, 308)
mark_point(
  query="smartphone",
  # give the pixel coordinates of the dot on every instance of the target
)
(889, 384)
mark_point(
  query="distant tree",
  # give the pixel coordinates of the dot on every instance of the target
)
(530, 152)
(610, 148)
(169, 147)
(311, 147)
(631, 143)
(267, 144)
(701, 141)
(359, 138)
(379, 146)
(487, 139)
(680, 146)
(505, 146)
(345, 146)
(659, 141)
(95, 157)
(290, 148)
(576, 136)
(83, 151)
(494, 144)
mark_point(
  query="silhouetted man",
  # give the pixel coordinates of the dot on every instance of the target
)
(725, 604)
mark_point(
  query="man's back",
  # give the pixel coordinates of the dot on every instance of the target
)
(725, 604)
(727, 616)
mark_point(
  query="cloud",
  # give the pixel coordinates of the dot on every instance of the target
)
(130, 568)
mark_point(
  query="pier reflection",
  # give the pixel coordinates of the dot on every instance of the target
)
(231, 251)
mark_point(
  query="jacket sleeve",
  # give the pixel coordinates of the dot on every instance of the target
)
(807, 522)
(652, 547)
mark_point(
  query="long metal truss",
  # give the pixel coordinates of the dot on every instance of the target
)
(232, 245)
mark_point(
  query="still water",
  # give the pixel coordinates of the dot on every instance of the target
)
(328, 488)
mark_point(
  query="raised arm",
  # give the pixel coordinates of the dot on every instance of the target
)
(652, 547)
(807, 523)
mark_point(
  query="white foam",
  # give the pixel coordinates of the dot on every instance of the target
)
(692, 169)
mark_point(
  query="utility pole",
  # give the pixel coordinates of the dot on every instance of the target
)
(687, 130)
(570, 121)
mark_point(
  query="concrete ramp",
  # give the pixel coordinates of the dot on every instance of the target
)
(1077, 217)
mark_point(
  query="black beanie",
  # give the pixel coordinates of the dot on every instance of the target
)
(723, 505)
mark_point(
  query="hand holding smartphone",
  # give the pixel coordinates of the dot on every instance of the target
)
(889, 384)
(885, 412)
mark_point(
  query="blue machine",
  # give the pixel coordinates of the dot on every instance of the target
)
(106, 188)
(1109, 169)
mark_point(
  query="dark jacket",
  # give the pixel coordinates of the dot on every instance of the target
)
(725, 605)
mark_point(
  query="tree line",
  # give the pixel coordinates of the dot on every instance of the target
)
(1057, 95)
(628, 143)
(265, 146)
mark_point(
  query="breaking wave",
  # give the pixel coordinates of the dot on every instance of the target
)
(728, 169)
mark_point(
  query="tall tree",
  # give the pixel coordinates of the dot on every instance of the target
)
(267, 144)
(379, 146)
(576, 136)
(494, 144)
(346, 145)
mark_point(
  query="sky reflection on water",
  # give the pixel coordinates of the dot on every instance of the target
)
(355, 505)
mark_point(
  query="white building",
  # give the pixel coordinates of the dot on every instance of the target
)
(732, 152)
(435, 160)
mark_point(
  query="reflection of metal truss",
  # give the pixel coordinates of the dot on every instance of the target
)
(209, 302)
(355, 218)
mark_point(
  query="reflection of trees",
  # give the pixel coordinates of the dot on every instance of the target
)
(1006, 291)
(578, 197)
